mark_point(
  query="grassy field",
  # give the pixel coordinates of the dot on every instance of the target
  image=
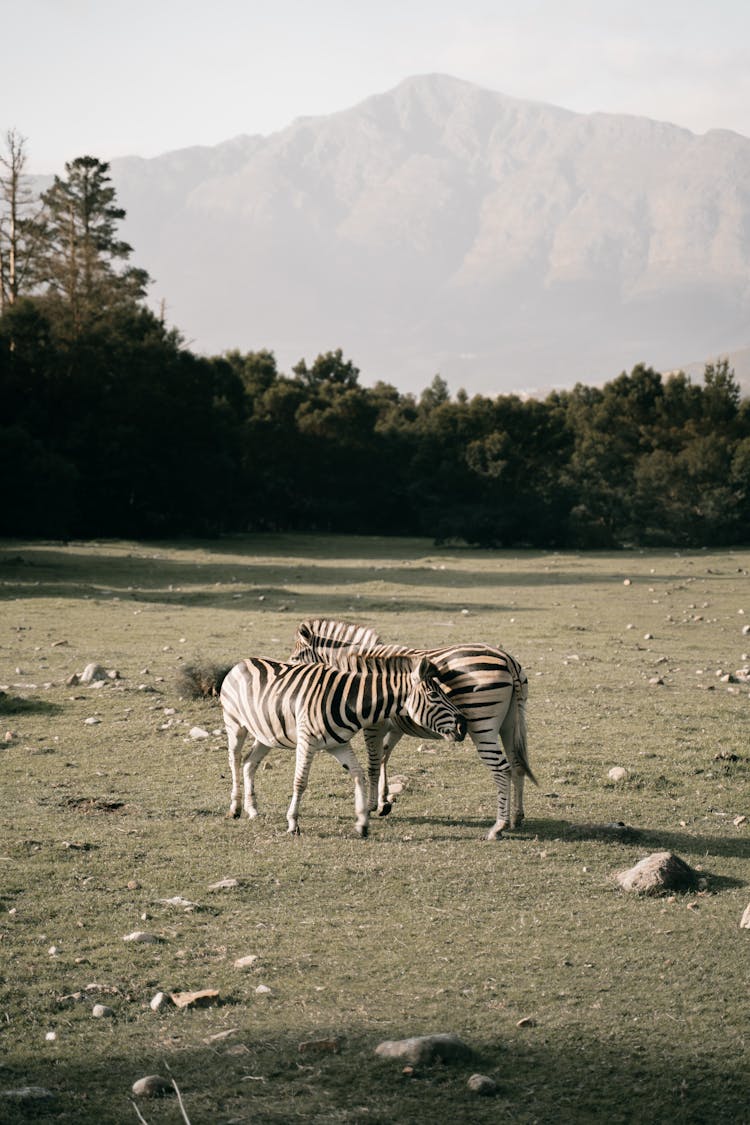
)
(631, 1009)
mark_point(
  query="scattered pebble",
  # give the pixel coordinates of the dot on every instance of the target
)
(91, 721)
(198, 733)
(143, 937)
(246, 962)
(224, 885)
(101, 1011)
(483, 1085)
(263, 990)
(745, 920)
(152, 1086)
(617, 773)
(159, 1001)
(527, 1021)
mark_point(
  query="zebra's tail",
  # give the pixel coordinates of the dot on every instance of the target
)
(520, 745)
(201, 680)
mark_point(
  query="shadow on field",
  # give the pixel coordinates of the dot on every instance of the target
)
(654, 839)
(16, 705)
(564, 1075)
(148, 576)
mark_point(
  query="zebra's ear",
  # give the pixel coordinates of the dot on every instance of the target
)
(304, 632)
(422, 669)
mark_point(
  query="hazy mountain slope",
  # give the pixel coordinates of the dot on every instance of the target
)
(444, 227)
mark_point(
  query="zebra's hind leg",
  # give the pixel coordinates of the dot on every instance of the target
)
(500, 769)
(348, 759)
(236, 736)
(517, 814)
(374, 743)
(252, 761)
(301, 777)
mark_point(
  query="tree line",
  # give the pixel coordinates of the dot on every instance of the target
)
(111, 426)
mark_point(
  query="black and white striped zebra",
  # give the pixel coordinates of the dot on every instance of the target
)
(312, 707)
(487, 685)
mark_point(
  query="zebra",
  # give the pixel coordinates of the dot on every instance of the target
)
(311, 707)
(487, 684)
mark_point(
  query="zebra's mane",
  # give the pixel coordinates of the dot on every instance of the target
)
(342, 634)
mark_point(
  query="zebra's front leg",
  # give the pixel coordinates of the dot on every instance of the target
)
(301, 778)
(348, 759)
(236, 736)
(253, 760)
(392, 737)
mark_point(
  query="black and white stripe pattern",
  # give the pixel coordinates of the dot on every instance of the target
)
(312, 707)
(487, 685)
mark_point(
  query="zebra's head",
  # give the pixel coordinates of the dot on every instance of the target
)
(429, 704)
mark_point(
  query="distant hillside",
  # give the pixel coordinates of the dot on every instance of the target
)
(441, 227)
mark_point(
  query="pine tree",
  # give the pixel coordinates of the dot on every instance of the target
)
(82, 250)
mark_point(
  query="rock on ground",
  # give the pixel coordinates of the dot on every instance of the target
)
(425, 1049)
(152, 1086)
(658, 874)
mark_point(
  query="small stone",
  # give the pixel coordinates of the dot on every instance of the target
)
(745, 630)
(648, 636)
(246, 962)
(425, 1049)
(91, 721)
(91, 673)
(527, 1021)
(152, 1086)
(483, 1085)
(224, 885)
(204, 998)
(626, 582)
(263, 990)
(159, 1001)
(142, 937)
(73, 680)
(198, 733)
(51, 1036)
(101, 1011)
(745, 920)
(617, 773)
(178, 900)
(738, 820)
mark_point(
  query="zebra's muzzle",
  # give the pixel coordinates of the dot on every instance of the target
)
(460, 734)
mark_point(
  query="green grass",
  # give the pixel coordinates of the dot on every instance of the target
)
(639, 1005)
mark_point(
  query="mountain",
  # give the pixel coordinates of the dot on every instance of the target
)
(442, 227)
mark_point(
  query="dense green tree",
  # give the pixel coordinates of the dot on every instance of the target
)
(83, 258)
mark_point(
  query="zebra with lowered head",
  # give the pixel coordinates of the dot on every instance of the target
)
(312, 707)
(488, 686)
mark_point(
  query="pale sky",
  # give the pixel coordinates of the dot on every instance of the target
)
(143, 77)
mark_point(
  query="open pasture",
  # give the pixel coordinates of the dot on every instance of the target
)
(630, 1009)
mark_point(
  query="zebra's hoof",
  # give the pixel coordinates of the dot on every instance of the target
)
(233, 814)
(495, 833)
(363, 831)
(385, 809)
(293, 831)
